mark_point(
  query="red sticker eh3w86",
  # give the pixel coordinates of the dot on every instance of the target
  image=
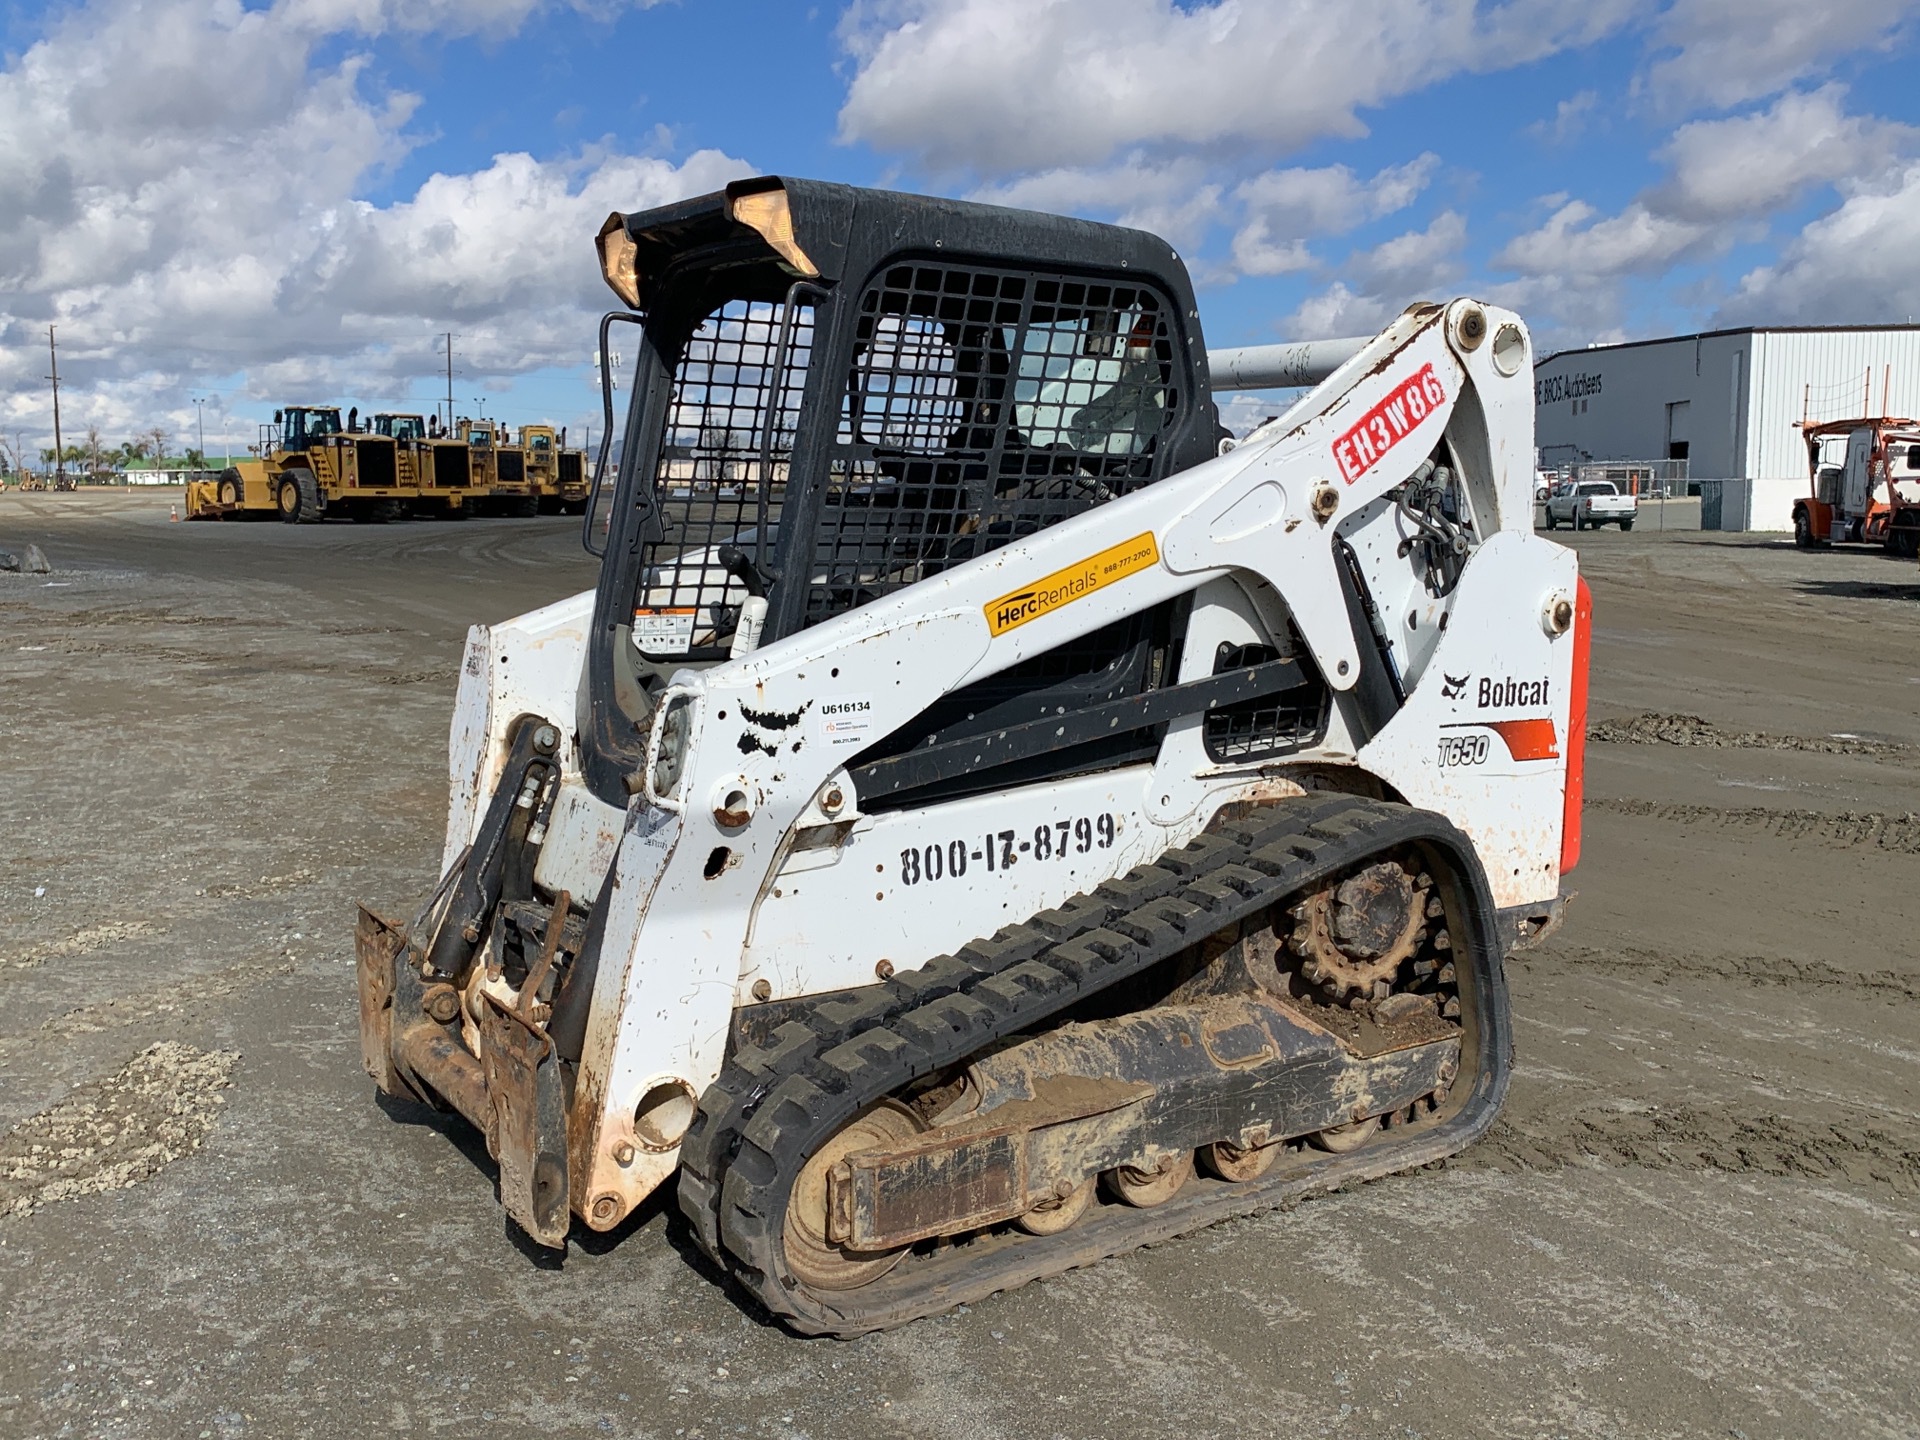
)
(1388, 423)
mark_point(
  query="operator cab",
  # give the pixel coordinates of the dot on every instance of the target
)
(400, 427)
(302, 426)
(841, 392)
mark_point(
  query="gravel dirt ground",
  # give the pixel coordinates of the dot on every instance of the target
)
(1700, 1215)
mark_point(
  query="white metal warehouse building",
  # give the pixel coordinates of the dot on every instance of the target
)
(1725, 401)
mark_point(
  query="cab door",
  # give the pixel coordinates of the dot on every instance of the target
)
(1857, 475)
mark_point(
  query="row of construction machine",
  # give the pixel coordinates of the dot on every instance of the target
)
(308, 466)
(1865, 485)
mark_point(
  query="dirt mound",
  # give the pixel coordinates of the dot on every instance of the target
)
(115, 1132)
(1653, 727)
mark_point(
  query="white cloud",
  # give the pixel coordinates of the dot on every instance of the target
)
(1636, 241)
(1286, 208)
(177, 230)
(493, 18)
(1754, 164)
(1176, 111)
(999, 87)
(1331, 199)
(1725, 52)
(1417, 265)
(1857, 265)
(1724, 177)
(1172, 198)
(1338, 310)
(1570, 117)
(1581, 273)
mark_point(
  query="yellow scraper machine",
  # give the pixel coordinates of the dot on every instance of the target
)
(987, 817)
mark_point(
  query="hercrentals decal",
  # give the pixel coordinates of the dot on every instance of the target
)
(1076, 582)
(1388, 423)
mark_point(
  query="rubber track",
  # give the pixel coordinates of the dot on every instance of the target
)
(773, 1106)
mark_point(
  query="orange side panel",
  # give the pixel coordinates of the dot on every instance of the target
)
(1576, 731)
(1527, 739)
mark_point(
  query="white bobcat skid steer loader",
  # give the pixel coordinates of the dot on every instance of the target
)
(984, 819)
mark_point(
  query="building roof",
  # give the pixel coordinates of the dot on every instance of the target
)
(1720, 334)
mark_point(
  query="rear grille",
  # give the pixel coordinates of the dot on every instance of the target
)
(375, 467)
(450, 467)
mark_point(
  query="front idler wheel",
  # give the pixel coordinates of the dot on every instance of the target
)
(814, 1259)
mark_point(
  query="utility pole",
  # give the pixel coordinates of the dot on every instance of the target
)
(59, 456)
(449, 382)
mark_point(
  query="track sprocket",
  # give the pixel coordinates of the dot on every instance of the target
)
(1352, 936)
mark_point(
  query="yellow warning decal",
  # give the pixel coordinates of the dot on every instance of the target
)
(1076, 582)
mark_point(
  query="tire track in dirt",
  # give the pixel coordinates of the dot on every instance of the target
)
(115, 1132)
(74, 619)
(1689, 1138)
(82, 942)
(250, 664)
(1845, 829)
(1758, 970)
(170, 1003)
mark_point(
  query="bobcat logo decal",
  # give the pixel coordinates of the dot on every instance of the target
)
(1455, 686)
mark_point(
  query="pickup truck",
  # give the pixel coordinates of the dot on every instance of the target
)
(1590, 503)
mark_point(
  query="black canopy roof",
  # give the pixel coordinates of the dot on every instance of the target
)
(842, 232)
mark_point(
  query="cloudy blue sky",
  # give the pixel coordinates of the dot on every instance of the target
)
(253, 203)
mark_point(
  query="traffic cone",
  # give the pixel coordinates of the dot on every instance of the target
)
(173, 512)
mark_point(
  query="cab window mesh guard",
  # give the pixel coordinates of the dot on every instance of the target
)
(983, 405)
(721, 480)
